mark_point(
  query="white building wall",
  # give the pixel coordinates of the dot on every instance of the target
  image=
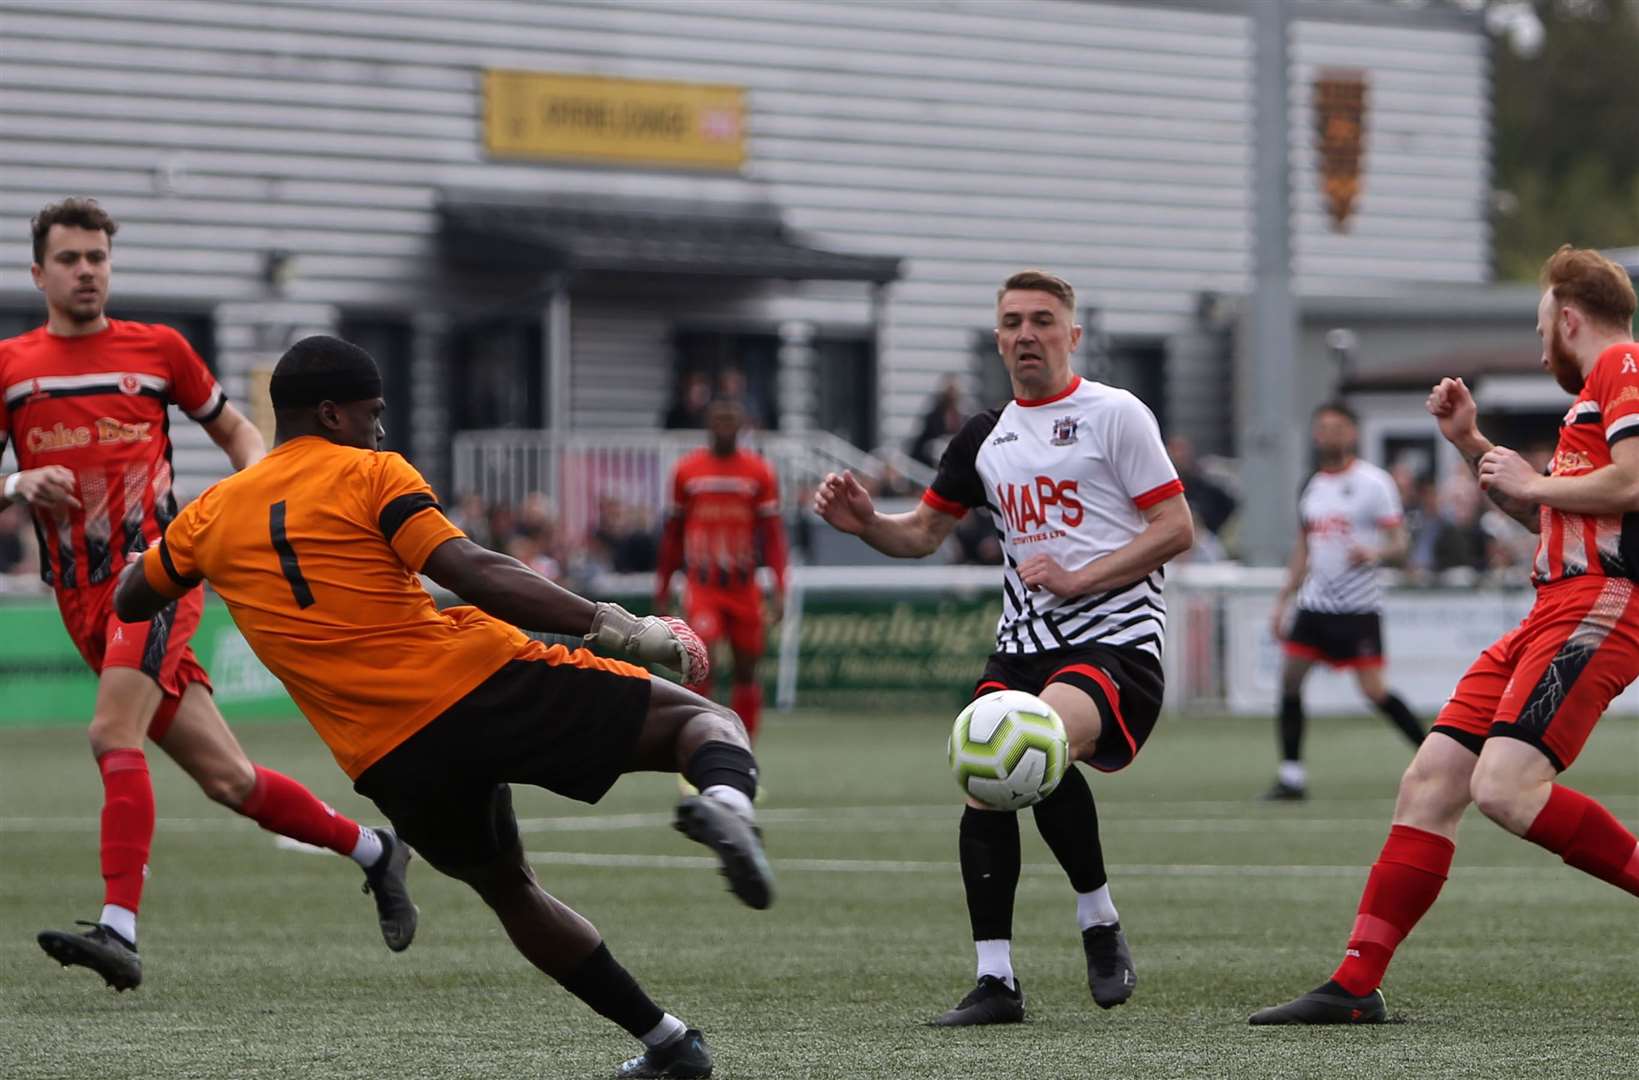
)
(1109, 142)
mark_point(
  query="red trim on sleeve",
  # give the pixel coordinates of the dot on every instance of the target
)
(1159, 494)
(944, 505)
(1060, 396)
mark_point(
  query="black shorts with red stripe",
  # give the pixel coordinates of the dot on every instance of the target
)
(1125, 684)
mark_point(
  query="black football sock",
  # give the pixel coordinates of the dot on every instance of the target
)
(611, 991)
(718, 762)
(1068, 821)
(1291, 727)
(989, 846)
(1401, 717)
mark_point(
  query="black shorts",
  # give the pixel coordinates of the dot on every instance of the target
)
(1342, 639)
(568, 728)
(1125, 684)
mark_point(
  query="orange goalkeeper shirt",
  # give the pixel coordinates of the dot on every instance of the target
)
(315, 550)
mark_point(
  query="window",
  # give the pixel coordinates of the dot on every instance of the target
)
(845, 378)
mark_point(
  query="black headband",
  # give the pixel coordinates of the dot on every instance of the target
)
(296, 390)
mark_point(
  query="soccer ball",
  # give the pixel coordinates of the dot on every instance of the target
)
(1008, 749)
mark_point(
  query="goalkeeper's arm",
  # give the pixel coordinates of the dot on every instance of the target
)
(507, 589)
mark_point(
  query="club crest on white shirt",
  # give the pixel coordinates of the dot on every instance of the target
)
(1064, 430)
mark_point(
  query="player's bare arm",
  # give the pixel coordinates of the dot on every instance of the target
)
(846, 506)
(240, 439)
(504, 587)
(1170, 532)
(507, 589)
(136, 600)
(1612, 489)
(50, 487)
(1453, 408)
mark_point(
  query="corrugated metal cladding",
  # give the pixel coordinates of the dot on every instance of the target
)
(1107, 141)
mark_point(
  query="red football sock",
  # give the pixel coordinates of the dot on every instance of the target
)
(747, 700)
(281, 805)
(127, 825)
(1403, 884)
(1588, 837)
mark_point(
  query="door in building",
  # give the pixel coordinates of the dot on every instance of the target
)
(495, 375)
(846, 384)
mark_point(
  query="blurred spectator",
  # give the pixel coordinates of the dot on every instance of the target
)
(625, 538)
(1210, 501)
(733, 385)
(470, 517)
(976, 540)
(895, 483)
(1420, 500)
(1460, 541)
(944, 418)
(689, 410)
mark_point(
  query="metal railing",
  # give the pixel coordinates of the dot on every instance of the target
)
(577, 471)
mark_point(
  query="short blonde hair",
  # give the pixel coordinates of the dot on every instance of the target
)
(1595, 284)
(1040, 281)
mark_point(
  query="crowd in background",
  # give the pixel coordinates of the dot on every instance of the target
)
(1456, 535)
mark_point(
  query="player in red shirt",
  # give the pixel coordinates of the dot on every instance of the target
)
(1523, 711)
(85, 406)
(724, 523)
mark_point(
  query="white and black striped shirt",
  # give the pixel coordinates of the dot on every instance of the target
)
(1340, 510)
(1068, 477)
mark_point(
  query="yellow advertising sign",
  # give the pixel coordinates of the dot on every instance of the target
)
(536, 115)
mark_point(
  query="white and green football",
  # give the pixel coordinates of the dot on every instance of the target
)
(1008, 749)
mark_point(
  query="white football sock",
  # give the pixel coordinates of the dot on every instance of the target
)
(734, 797)
(1293, 774)
(369, 847)
(1096, 908)
(996, 958)
(670, 1029)
(123, 921)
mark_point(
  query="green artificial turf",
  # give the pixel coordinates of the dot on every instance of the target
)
(265, 962)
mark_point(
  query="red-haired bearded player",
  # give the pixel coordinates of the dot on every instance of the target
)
(85, 405)
(1523, 711)
(724, 523)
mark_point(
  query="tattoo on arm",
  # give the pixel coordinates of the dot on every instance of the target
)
(1526, 513)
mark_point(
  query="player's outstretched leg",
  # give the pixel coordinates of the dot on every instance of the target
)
(1068, 820)
(1514, 786)
(988, 844)
(707, 744)
(126, 699)
(198, 739)
(1402, 886)
(562, 943)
